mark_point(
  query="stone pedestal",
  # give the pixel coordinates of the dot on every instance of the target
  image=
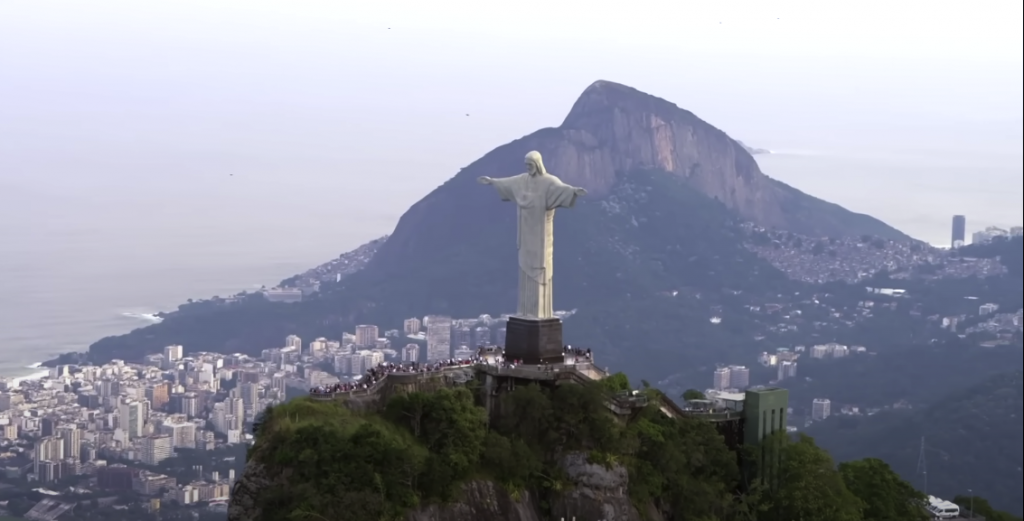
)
(534, 340)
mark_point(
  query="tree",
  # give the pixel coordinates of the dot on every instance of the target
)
(983, 508)
(809, 487)
(693, 394)
(886, 496)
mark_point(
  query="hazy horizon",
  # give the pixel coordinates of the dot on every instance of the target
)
(155, 152)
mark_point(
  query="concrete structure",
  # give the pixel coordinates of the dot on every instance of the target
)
(537, 194)
(959, 235)
(366, 335)
(821, 408)
(721, 381)
(439, 338)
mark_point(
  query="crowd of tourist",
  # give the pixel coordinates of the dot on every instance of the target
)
(486, 356)
(378, 373)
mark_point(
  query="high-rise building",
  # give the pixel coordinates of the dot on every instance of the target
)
(412, 326)
(190, 405)
(787, 369)
(48, 426)
(959, 231)
(821, 408)
(131, 417)
(174, 353)
(739, 377)
(481, 337)
(181, 431)
(721, 378)
(463, 337)
(411, 353)
(366, 335)
(439, 338)
(48, 451)
(156, 448)
(317, 346)
(499, 337)
(158, 395)
(71, 437)
(293, 341)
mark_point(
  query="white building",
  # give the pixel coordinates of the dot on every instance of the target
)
(722, 379)
(787, 369)
(739, 377)
(987, 309)
(411, 353)
(439, 338)
(131, 417)
(174, 353)
(156, 448)
(821, 408)
(412, 326)
(366, 335)
(293, 341)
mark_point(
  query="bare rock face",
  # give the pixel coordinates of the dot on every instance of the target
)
(481, 500)
(247, 489)
(599, 492)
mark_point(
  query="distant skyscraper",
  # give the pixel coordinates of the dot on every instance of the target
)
(722, 378)
(293, 341)
(412, 326)
(821, 408)
(411, 353)
(481, 337)
(71, 437)
(786, 370)
(174, 353)
(959, 231)
(156, 448)
(439, 338)
(132, 418)
(739, 377)
(366, 336)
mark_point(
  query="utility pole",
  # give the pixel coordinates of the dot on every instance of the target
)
(971, 492)
(922, 467)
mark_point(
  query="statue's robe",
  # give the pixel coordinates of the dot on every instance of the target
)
(537, 196)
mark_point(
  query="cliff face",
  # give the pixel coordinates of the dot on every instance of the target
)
(613, 129)
(596, 493)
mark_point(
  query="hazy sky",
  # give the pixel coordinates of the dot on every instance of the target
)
(131, 103)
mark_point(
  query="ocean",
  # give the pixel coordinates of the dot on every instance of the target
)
(74, 269)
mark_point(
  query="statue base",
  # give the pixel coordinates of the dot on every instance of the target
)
(534, 340)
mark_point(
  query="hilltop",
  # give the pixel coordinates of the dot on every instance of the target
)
(540, 453)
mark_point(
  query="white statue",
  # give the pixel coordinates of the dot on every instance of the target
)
(537, 194)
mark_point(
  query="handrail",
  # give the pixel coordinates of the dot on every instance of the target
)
(373, 388)
(575, 371)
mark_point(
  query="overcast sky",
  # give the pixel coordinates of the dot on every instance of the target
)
(134, 95)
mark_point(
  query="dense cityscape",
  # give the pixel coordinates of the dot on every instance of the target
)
(115, 428)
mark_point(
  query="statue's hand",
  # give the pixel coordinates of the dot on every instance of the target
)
(484, 180)
(580, 192)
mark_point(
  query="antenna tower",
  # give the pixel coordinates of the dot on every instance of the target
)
(922, 467)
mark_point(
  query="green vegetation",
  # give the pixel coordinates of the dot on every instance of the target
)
(983, 508)
(422, 447)
(972, 439)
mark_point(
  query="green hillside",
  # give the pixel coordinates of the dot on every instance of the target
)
(972, 438)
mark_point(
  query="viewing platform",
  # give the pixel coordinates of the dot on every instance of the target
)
(495, 376)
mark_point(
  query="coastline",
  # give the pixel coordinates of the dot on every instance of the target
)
(41, 370)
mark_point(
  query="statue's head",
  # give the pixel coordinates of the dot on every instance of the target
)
(534, 164)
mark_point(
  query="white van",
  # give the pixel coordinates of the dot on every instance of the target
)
(945, 510)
